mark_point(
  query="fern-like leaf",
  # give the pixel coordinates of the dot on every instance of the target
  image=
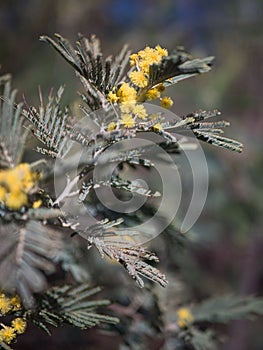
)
(97, 75)
(51, 125)
(26, 254)
(69, 304)
(209, 132)
(13, 135)
(131, 256)
(227, 308)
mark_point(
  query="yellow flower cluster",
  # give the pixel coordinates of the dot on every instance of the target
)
(184, 317)
(7, 333)
(129, 93)
(15, 184)
(145, 58)
(9, 304)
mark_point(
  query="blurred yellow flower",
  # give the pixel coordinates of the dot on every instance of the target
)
(166, 102)
(127, 120)
(184, 317)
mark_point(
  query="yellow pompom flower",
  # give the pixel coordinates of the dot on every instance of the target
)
(152, 94)
(16, 200)
(112, 97)
(133, 59)
(19, 325)
(138, 78)
(163, 52)
(150, 55)
(37, 204)
(16, 303)
(160, 87)
(7, 334)
(139, 111)
(126, 93)
(157, 127)
(5, 304)
(127, 120)
(184, 317)
(111, 126)
(15, 184)
(2, 193)
(127, 107)
(166, 102)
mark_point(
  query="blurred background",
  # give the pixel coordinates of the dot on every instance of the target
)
(227, 256)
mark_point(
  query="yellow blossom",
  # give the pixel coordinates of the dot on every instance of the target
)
(150, 55)
(152, 94)
(2, 193)
(37, 204)
(185, 317)
(16, 200)
(138, 78)
(144, 66)
(19, 325)
(160, 87)
(127, 107)
(7, 334)
(139, 111)
(15, 302)
(5, 305)
(163, 52)
(133, 59)
(157, 127)
(111, 126)
(166, 102)
(127, 120)
(112, 97)
(126, 93)
(15, 184)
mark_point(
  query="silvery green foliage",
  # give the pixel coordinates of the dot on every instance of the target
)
(35, 241)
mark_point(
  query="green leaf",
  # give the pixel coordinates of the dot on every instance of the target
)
(13, 135)
(26, 254)
(69, 304)
(202, 340)
(51, 125)
(227, 308)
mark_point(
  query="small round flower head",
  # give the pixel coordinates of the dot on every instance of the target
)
(157, 127)
(2, 193)
(112, 97)
(138, 78)
(16, 303)
(19, 325)
(15, 185)
(111, 126)
(127, 120)
(7, 334)
(149, 56)
(126, 93)
(160, 87)
(127, 107)
(152, 94)
(184, 317)
(5, 304)
(16, 200)
(163, 52)
(133, 59)
(37, 204)
(139, 111)
(166, 102)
